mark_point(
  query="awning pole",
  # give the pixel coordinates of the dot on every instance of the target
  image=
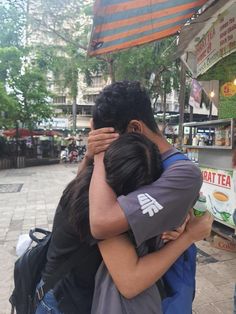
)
(182, 101)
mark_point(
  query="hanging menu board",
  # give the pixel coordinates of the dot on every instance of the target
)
(219, 41)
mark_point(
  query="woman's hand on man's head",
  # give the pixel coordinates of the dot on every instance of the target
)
(99, 140)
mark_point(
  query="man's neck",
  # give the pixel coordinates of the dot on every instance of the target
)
(159, 140)
(162, 144)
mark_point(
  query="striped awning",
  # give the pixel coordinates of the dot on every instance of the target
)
(121, 24)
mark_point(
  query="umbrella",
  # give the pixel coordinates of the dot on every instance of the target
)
(123, 24)
(48, 133)
(21, 133)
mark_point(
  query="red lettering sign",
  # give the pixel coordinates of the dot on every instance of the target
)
(218, 179)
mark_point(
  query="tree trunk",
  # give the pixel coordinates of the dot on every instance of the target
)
(74, 114)
(182, 101)
(111, 70)
(17, 139)
(164, 111)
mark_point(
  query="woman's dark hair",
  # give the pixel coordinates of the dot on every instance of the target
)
(121, 102)
(130, 162)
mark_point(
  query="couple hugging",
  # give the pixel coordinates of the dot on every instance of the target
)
(126, 212)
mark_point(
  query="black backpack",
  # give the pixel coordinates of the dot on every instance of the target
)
(27, 273)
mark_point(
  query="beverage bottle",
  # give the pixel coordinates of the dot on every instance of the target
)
(200, 207)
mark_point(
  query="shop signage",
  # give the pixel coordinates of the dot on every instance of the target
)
(228, 89)
(220, 191)
(55, 123)
(219, 41)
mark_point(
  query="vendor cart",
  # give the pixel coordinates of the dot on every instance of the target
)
(211, 145)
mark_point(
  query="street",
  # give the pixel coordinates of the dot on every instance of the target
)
(28, 198)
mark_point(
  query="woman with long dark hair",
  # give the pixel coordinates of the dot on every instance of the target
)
(130, 162)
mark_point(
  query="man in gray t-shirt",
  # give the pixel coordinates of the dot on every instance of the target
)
(153, 209)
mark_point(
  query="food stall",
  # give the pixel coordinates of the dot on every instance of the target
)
(207, 47)
(211, 145)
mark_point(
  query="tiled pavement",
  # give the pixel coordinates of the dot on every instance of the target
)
(34, 203)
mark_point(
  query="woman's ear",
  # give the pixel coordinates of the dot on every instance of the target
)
(135, 126)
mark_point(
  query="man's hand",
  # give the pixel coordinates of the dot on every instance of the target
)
(99, 140)
(199, 228)
(173, 235)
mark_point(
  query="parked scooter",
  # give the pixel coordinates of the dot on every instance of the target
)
(64, 156)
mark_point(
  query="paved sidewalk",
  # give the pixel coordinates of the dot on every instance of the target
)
(28, 198)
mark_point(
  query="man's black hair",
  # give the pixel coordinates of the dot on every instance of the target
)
(121, 102)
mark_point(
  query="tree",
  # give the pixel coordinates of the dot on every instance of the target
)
(11, 26)
(153, 65)
(24, 95)
(8, 109)
(64, 27)
(30, 92)
(140, 62)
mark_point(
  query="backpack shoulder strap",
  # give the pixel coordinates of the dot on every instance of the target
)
(172, 159)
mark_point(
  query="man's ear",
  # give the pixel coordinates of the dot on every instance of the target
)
(135, 126)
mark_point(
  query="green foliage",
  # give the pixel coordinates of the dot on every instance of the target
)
(30, 91)
(12, 25)
(64, 21)
(227, 107)
(23, 89)
(67, 24)
(8, 109)
(140, 62)
(224, 70)
(10, 62)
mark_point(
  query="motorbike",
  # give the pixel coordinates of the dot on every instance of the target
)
(64, 156)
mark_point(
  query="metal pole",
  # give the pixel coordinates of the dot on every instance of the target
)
(182, 101)
(210, 111)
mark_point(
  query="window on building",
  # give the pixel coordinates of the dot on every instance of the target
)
(84, 110)
(59, 100)
(97, 81)
(90, 98)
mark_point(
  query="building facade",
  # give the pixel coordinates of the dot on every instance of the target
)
(38, 32)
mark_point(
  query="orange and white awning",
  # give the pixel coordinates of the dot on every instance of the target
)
(121, 24)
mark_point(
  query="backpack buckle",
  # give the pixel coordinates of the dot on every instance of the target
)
(40, 293)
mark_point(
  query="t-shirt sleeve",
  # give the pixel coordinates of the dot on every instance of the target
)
(164, 204)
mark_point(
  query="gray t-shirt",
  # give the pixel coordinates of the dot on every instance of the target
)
(150, 210)
(164, 204)
(108, 300)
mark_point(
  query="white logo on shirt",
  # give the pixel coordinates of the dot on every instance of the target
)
(148, 204)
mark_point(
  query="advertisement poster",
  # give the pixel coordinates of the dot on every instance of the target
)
(220, 191)
(195, 94)
(228, 89)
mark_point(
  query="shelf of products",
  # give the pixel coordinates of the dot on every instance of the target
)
(216, 134)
